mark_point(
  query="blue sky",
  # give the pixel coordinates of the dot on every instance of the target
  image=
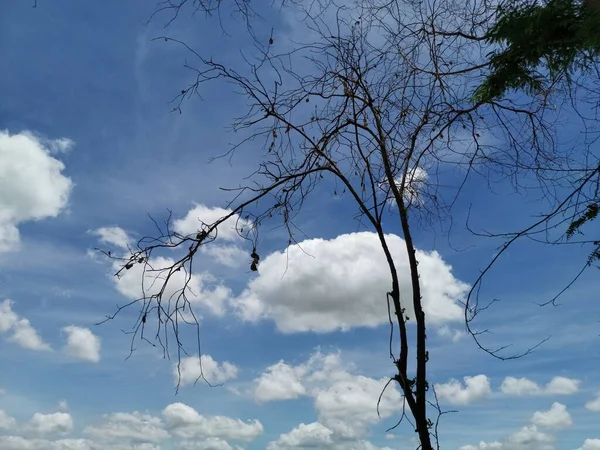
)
(88, 142)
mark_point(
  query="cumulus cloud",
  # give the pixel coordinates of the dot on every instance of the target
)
(280, 382)
(476, 388)
(59, 422)
(133, 427)
(6, 421)
(326, 285)
(228, 255)
(346, 403)
(20, 329)
(192, 368)
(183, 427)
(183, 421)
(530, 437)
(594, 404)
(525, 386)
(416, 180)
(450, 333)
(590, 444)
(201, 214)
(556, 417)
(201, 288)
(313, 435)
(22, 443)
(527, 438)
(208, 444)
(32, 184)
(116, 236)
(82, 344)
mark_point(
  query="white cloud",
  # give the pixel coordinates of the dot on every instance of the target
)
(594, 404)
(21, 443)
(590, 444)
(228, 255)
(527, 438)
(483, 446)
(326, 285)
(562, 386)
(127, 431)
(183, 421)
(114, 236)
(60, 145)
(32, 185)
(59, 422)
(556, 417)
(313, 435)
(82, 344)
(524, 386)
(530, 437)
(199, 214)
(280, 382)
(63, 405)
(519, 386)
(192, 369)
(22, 333)
(451, 333)
(345, 403)
(134, 428)
(6, 421)
(200, 290)
(208, 444)
(476, 388)
(415, 183)
(349, 405)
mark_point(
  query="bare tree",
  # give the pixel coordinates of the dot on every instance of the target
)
(382, 106)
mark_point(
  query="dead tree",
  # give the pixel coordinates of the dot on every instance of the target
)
(374, 100)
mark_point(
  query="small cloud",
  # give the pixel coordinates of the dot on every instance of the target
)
(59, 422)
(82, 344)
(7, 422)
(562, 386)
(313, 435)
(113, 235)
(193, 368)
(590, 444)
(60, 145)
(594, 404)
(185, 422)
(63, 405)
(201, 215)
(476, 388)
(228, 255)
(556, 417)
(525, 386)
(22, 333)
(280, 382)
(451, 334)
(118, 428)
